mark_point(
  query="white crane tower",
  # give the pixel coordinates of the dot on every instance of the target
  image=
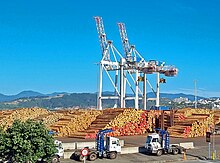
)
(132, 68)
(109, 63)
(132, 61)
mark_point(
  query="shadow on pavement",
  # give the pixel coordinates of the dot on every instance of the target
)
(199, 157)
(142, 150)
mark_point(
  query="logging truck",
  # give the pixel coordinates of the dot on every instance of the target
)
(159, 143)
(110, 149)
(59, 154)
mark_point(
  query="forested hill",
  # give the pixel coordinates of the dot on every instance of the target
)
(81, 100)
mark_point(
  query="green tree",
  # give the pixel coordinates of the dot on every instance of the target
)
(2, 143)
(28, 141)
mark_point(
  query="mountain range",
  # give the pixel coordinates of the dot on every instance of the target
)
(31, 94)
(26, 94)
(27, 99)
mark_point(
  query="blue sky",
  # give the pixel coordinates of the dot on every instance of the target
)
(51, 45)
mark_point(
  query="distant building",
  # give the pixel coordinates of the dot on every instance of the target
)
(181, 99)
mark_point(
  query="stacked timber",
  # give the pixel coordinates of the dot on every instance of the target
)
(5, 113)
(191, 122)
(83, 123)
(98, 124)
(188, 111)
(217, 116)
(122, 121)
(21, 114)
(201, 125)
(49, 118)
(127, 116)
(130, 122)
(74, 121)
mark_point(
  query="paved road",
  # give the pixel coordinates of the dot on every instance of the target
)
(139, 140)
(137, 158)
(142, 158)
(193, 155)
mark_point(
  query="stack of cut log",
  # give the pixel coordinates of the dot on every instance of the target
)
(217, 116)
(122, 121)
(21, 114)
(189, 111)
(3, 116)
(49, 118)
(99, 123)
(201, 124)
(130, 122)
(191, 122)
(128, 115)
(5, 113)
(73, 121)
(83, 123)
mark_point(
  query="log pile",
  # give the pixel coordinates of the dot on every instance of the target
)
(188, 111)
(99, 123)
(127, 116)
(123, 122)
(130, 122)
(217, 116)
(191, 122)
(83, 123)
(5, 113)
(21, 114)
(49, 118)
(73, 121)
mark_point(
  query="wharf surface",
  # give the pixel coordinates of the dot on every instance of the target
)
(192, 155)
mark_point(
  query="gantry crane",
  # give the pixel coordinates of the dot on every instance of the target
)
(133, 60)
(109, 63)
(131, 63)
(136, 62)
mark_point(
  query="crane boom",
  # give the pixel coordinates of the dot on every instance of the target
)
(124, 39)
(102, 37)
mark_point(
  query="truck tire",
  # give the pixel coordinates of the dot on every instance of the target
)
(80, 157)
(175, 151)
(55, 159)
(159, 152)
(112, 155)
(92, 157)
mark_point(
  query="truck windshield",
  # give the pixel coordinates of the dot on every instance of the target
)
(149, 138)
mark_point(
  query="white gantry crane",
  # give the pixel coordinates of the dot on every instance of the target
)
(109, 64)
(133, 68)
(132, 61)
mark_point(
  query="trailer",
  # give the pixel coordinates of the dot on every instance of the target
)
(110, 149)
(159, 143)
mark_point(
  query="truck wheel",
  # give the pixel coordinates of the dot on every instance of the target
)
(112, 155)
(55, 159)
(175, 151)
(159, 152)
(92, 156)
(80, 157)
